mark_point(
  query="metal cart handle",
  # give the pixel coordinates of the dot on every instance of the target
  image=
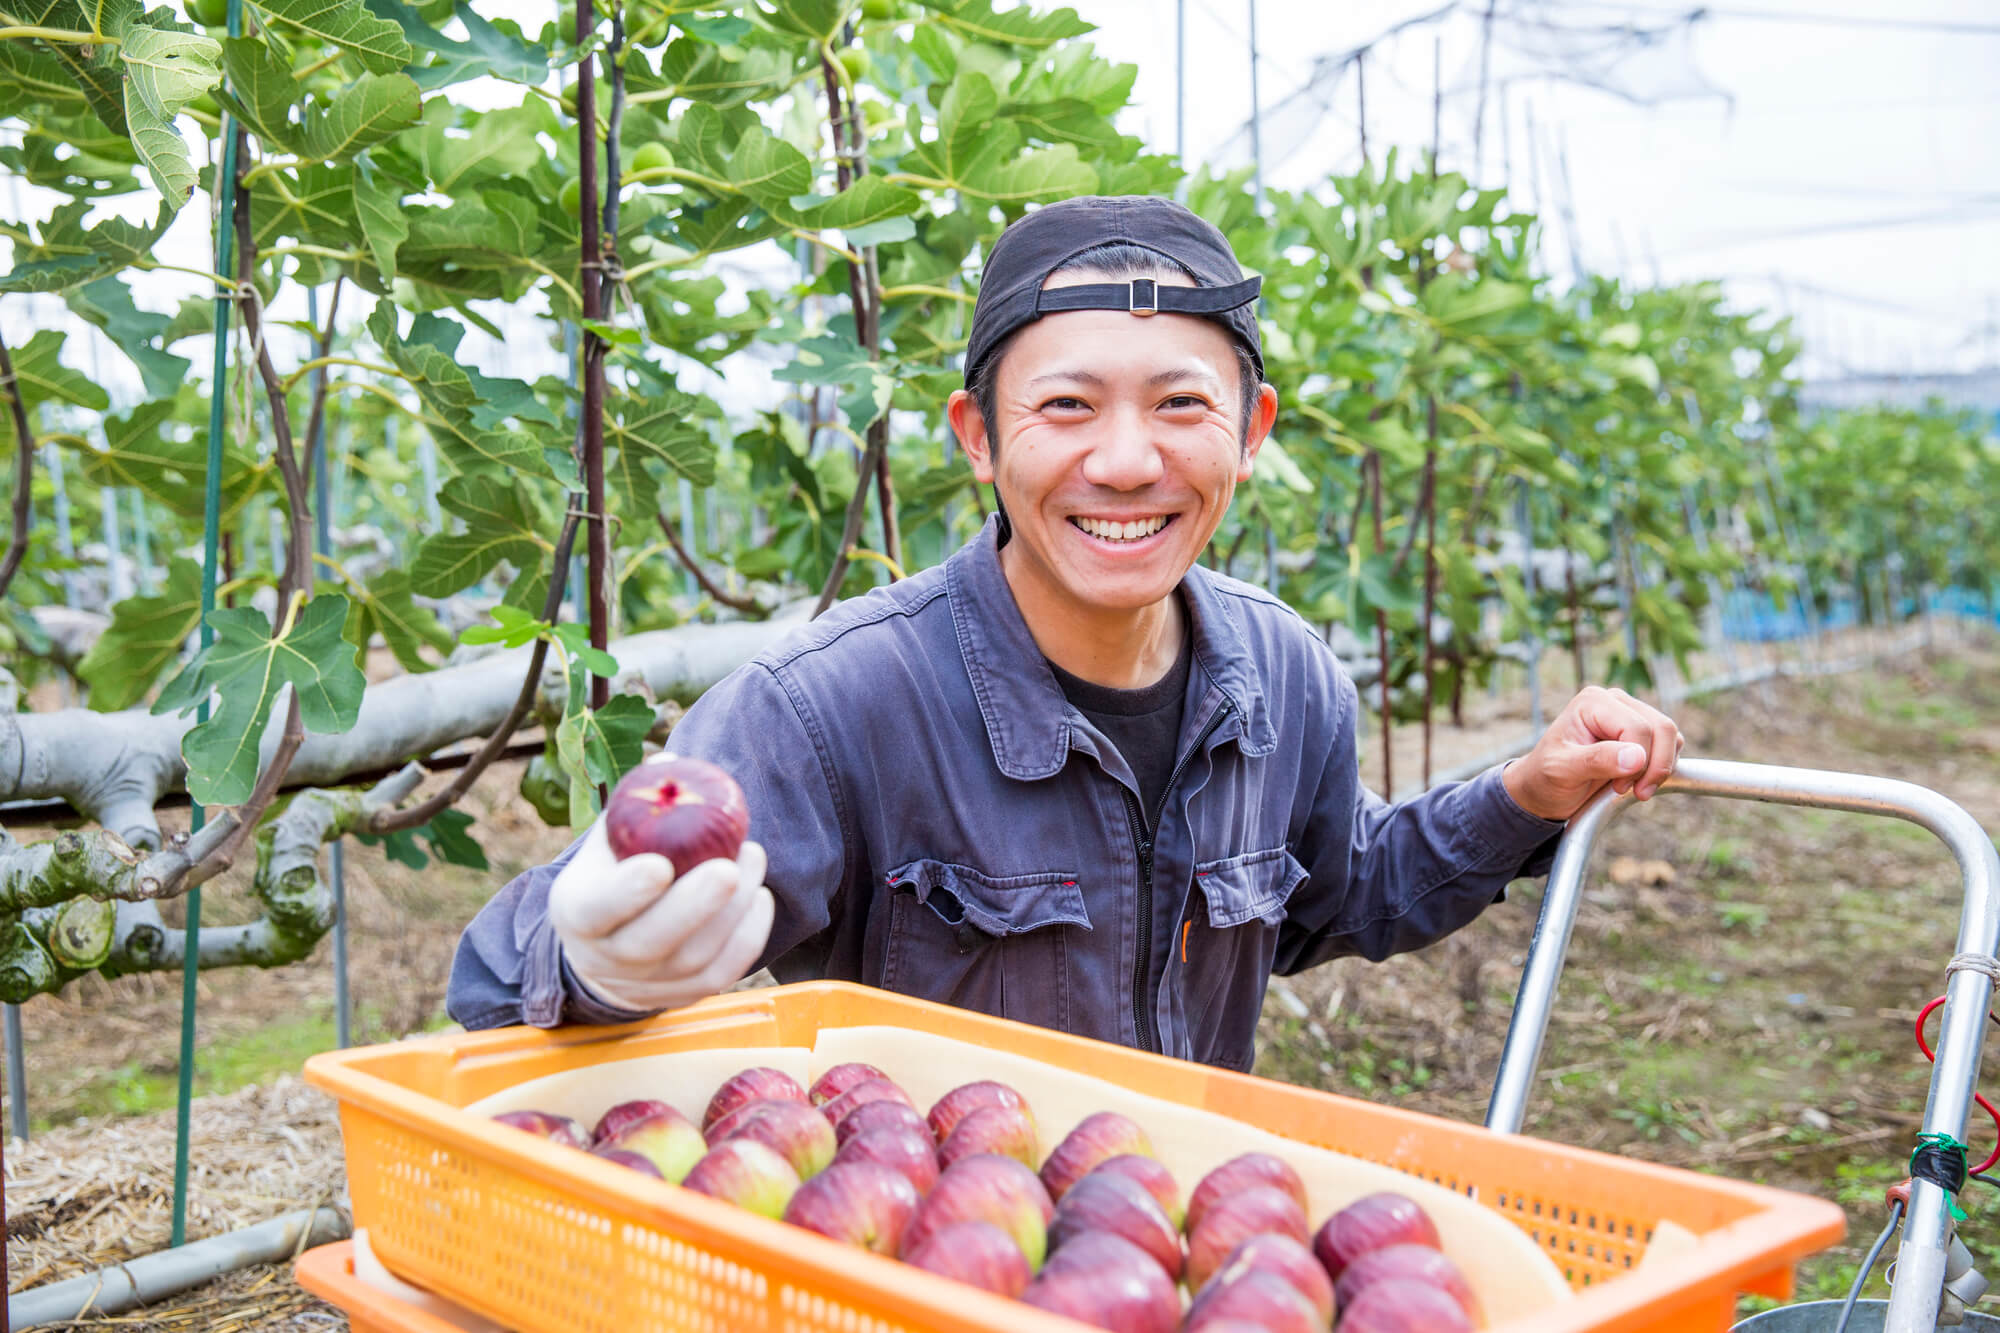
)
(1920, 1270)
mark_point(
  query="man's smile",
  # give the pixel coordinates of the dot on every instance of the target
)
(1122, 532)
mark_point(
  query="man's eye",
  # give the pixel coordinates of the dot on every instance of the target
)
(1184, 401)
(1064, 405)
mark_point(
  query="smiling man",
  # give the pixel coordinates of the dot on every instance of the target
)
(1069, 776)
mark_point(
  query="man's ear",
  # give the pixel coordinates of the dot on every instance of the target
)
(1262, 418)
(969, 424)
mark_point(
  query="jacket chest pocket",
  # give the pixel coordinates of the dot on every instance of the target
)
(1227, 944)
(999, 945)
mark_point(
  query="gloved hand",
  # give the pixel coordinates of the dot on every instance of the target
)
(640, 937)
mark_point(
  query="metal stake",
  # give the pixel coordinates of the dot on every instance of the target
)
(688, 534)
(117, 585)
(1524, 521)
(17, 1074)
(65, 540)
(211, 528)
(142, 541)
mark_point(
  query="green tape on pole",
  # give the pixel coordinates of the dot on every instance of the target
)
(211, 540)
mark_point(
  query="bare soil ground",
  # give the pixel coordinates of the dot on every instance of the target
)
(1739, 997)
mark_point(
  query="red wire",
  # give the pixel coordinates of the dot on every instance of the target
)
(1925, 1047)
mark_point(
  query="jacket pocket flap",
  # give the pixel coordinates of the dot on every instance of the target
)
(1255, 885)
(998, 905)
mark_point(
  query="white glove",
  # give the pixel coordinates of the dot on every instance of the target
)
(642, 939)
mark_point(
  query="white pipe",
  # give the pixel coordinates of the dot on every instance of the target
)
(167, 1272)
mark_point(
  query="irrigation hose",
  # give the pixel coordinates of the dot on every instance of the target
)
(1868, 1266)
(225, 263)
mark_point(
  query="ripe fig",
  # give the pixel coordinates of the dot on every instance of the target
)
(1007, 1130)
(655, 1131)
(793, 1130)
(1151, 1173)
(963, 1100)
(684, 809)
(746, 1173)
(859, 1203)
(1110, 1283)
(630, 1160)
(554, 1128)
(1288, 1259)
(624, 1115)
(1401, 1306)
(1096, 1139)
(1373, 1222)
(1237, 1174)
(842, 1077)
(987, 1188)
(1113, 1205)
(860, 1095)
(726, 1126)
(1231, 1221)
(1260, 1298)
(1414, 1263)
(880, 1115)
(977, 1253)
(752, 1085)
(907, 1150)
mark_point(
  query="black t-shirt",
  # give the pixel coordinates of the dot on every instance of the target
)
(1145, 724)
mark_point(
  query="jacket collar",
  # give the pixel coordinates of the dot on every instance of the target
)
(1027, 720)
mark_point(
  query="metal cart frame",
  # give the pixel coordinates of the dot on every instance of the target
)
(1969, 977)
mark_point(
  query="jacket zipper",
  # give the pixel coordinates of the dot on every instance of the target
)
(1144, 1027)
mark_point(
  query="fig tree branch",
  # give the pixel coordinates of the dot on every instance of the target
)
(24, 470)
(318, 413)
(614, 68)
(847, 164)
(297, 573)
(297, 904)
(746, 604)
(296, 583)
(101, 864)
(386, 819)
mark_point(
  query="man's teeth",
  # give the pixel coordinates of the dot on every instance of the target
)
(1121, 532)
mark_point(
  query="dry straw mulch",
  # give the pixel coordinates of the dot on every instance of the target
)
(90, 1194)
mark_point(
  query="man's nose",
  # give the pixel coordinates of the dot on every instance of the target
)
(1125, 456)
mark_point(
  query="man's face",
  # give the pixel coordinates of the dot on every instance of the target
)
(1117, 452)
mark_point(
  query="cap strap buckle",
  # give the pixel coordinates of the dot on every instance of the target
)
(1151, 294)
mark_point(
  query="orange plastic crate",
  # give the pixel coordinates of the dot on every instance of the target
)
(327, 1271)
(538, 1238)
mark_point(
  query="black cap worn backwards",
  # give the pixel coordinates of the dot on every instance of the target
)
(1011, 293)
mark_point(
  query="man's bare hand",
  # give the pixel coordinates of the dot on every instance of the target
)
(1604, 737)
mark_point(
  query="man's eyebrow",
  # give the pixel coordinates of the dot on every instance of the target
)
(1068, 377)
(1178, 375)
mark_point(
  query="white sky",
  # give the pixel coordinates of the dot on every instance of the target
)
(1851, 177)
(1848, 173)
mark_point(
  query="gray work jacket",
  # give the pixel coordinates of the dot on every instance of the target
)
(941, 822)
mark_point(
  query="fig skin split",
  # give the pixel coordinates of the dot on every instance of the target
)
(685, 809)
